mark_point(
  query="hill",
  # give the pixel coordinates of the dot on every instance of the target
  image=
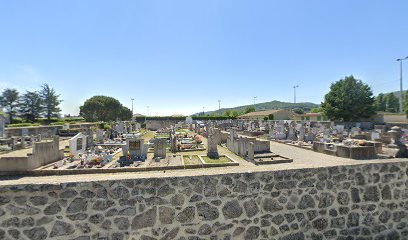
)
(306, 106)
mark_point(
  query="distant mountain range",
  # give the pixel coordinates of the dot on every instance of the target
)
(306, 106)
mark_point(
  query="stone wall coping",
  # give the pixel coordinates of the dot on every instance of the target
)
(21, 182)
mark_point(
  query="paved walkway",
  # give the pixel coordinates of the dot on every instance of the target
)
(301, 159)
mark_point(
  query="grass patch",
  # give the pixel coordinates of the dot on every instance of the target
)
(148, 135)
(195, 159)
(221, 159)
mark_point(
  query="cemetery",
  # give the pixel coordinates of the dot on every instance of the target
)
(125, 146)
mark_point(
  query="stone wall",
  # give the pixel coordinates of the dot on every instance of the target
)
(368, 201)
(44, 152)
(44, 131)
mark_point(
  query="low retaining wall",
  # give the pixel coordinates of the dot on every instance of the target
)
(43, 153)
(44, 131)
(358, 201)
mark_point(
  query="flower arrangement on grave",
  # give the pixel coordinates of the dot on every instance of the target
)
(198, 139)
(96, 160)
(129, 157)
(71, 157)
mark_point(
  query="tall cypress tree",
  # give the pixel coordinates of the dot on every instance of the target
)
(50, 101)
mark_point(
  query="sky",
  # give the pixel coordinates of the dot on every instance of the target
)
(181, 56)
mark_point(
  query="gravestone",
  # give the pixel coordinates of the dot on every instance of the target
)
(77, 144)
(160, 148)
(212, 151)
(100, 135)
(138, 126)
(251, 151)
(280, 131)
(24, 132)
(90, 138)
(189, 120)
(135, 147)
(292, 131)
(120, 128)
(301, 132)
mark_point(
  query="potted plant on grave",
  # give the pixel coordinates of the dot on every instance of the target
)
(71, 157)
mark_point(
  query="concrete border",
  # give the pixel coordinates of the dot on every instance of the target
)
(207, 165)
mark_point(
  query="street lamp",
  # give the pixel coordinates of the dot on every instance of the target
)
(219, 106)
(294, 93)
(254, 100)
(132, 106)
(400, 97)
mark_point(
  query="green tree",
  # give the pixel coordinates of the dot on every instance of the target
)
(250, 109)
(125, 114)
(10, 100)
(316, 110)
(50, 101)
(349, 99)
(405, 102)
(31, 105)
(380, 103)
(298, 111)
(102, 108)
(271, 116)
(392, 103)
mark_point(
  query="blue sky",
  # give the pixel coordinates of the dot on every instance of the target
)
(180, 56)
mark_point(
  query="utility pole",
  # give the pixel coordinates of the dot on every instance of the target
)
(400, 97)
(294, 93)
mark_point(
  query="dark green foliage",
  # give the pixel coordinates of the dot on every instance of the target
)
(392, 103)
(50, 102)
(250, 109)
(298, 111)
(316, 110)
(103, 108)
(271, 116)
(31, 106)
(349, 100)
(380, 103)
(10, 100)
(125, 113)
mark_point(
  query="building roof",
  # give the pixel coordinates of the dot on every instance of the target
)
(263, 113)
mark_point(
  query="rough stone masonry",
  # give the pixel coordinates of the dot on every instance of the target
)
(367, 201)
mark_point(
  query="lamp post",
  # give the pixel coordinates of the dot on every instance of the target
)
(219, 107)
(132, 106)
(203, 111)
(294, 93)
(400, 97)
(254, 100)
